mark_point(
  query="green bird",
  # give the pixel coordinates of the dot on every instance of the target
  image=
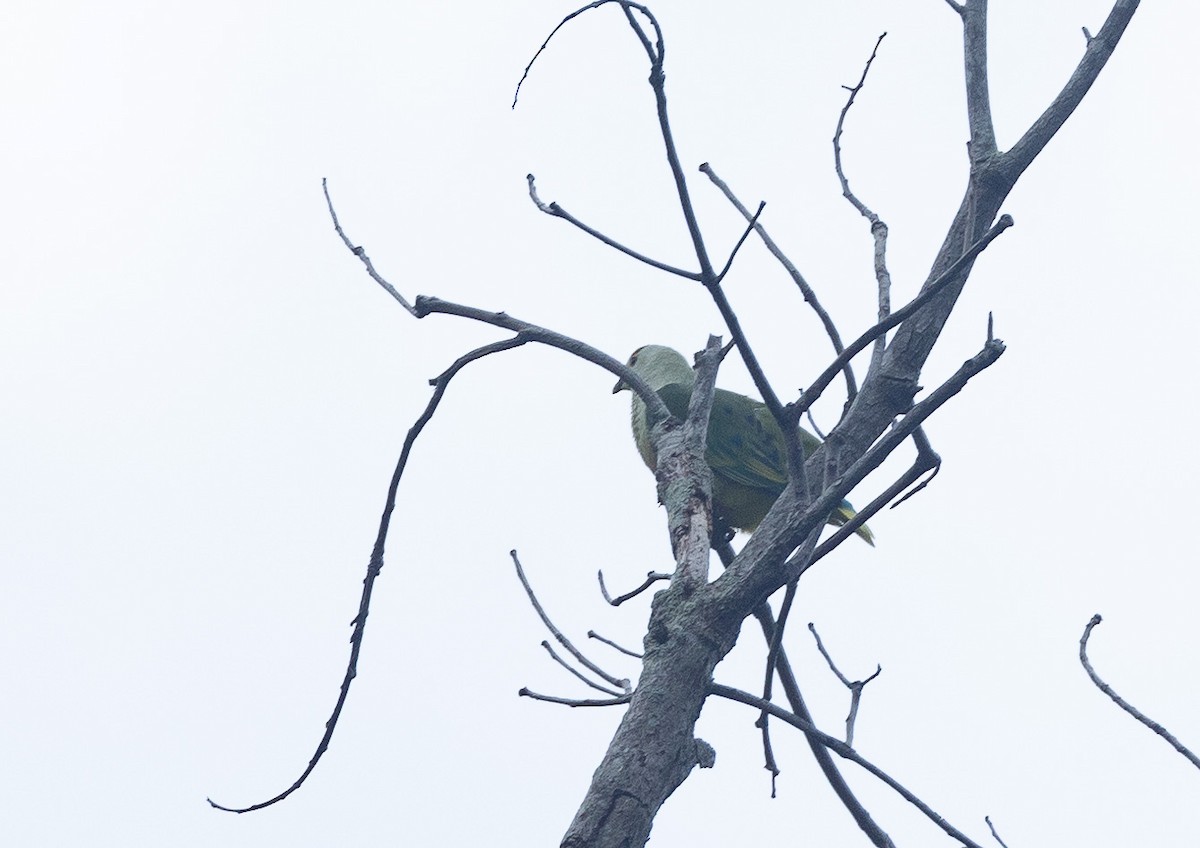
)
(745, 448)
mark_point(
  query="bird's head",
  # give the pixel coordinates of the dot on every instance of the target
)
(659, 366)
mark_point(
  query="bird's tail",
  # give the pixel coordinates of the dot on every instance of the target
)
(843, 514)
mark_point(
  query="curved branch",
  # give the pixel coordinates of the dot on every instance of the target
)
(652, 577)
(375, 565)
(1122, 703)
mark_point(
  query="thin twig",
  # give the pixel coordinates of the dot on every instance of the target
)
(361, 253)
(812, 422)
(810, 296)
(652, 577)
(842, 750)
(879, 229)
(556, 211)
(745, 235)
(561, 24)
(575, 702)
(424, 306)
(558, 635)
(927, 461)
(995, 835)
(955, 6)
(592, 634)
(775, 643)
(769, 762)
(925, 450)
(774, 647)
(922, 464)
(1122, 703)
(837, 136)
(554, 656)
(855, 687)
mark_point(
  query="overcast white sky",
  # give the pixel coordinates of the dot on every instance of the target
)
(203, 397)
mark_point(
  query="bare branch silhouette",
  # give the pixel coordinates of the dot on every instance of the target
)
(621, 683)
(592, 634)
(1122, 703)
(810, 296)
(651, 578)
(879, 229)
(842, 750)
(855, 687)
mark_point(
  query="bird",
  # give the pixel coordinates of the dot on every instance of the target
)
(745, 447)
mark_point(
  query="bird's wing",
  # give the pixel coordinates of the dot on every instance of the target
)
(745, 445)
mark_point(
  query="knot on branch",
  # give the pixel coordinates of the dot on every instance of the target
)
(900, 391)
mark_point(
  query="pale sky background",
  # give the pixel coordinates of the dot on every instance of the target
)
(204, 396)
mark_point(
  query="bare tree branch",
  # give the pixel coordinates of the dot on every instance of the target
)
(947, 277)
(926, 461)
(592, 634)
(856, 687)
(746, 234)
(375, 565)
(577, 673)
(527, 332)
(995, 835)
(556, 211)
(810, 296)
(1095, 56)
(655, 408)
(693, 623)
(1122, 703)
(652, 577)
(754, 574)
(361, 253)
(791, 690)
(564, 22)
(575, 702)
(879, 229)
(842, 750)
(622, 683)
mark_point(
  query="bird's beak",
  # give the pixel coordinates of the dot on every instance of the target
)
(620, 386)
